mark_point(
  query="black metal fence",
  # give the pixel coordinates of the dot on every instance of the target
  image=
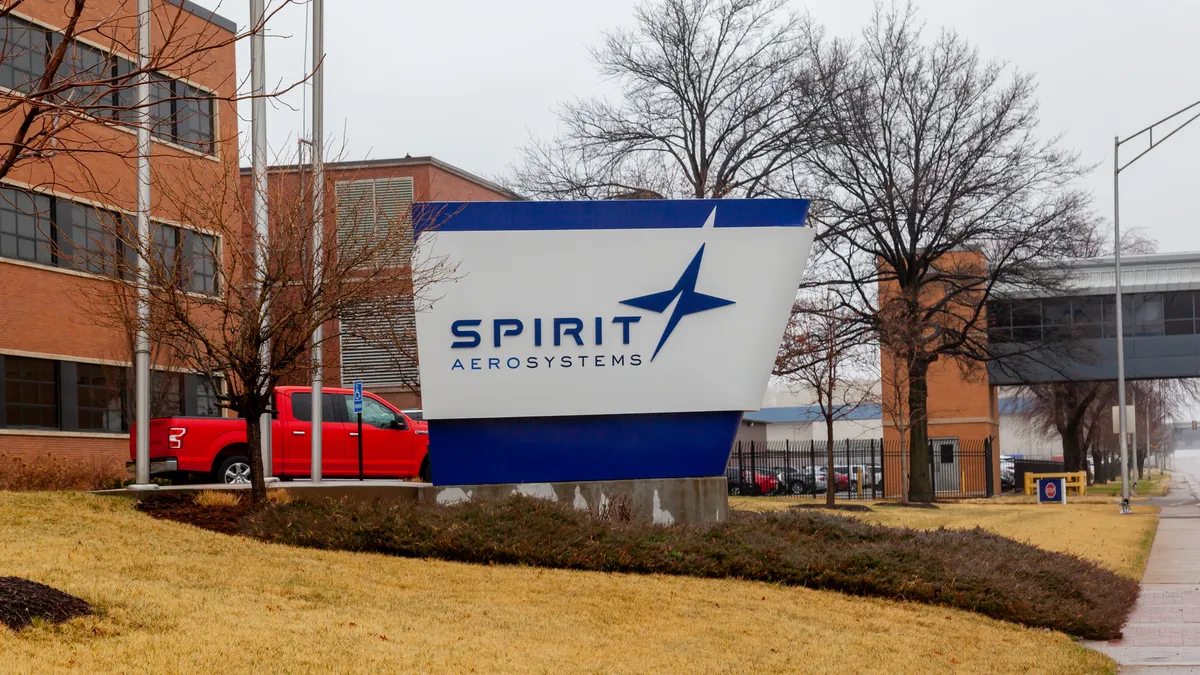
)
(1020, 467)
(863, 468)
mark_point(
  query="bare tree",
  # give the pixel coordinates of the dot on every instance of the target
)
(931, 190)
(707, 109)
(821, 351)
(214, 311)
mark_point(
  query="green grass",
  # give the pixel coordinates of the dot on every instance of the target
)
(1151, 486)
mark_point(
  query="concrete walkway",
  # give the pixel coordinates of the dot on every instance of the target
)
(1163, 633)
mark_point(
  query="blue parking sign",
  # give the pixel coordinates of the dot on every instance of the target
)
(1052, 490)
(357, 396)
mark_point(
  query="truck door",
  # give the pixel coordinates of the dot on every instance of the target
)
(297, 437)
(387, 440)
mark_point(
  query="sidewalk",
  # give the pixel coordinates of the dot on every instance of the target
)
(1163, 633)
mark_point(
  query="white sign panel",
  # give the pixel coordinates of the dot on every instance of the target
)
(557, 321)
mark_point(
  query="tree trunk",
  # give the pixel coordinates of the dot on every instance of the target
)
(1140, 458)
(830, 475)
(920, 481)
(1072, 452)
(258, 484)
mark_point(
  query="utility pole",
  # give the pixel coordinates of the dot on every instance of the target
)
(318, 234)
(258, 161)
(1117, 169)
(141, 347)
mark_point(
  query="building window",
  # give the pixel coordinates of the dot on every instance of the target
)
(99, 390)
(166, 250)
(166, 394)
(182, 113)
(206, 392)
(200, 262)
(90, 237)
(55, 231)
(24, 61)
(193, 118)
(25, 227)
(84, 63)
(30, 393)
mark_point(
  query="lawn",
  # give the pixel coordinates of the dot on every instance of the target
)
(174, 598)
(1154, 486)
(1094, 530)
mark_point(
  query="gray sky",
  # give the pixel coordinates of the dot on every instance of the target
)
(469, 80)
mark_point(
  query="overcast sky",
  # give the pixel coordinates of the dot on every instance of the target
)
(468, 81)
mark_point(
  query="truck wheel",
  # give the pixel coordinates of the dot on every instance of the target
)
(426, 472)
(234, 469)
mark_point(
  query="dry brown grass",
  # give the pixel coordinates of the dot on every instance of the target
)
(1093, 529)
(278, 496)
(217, 498)
(175, 598)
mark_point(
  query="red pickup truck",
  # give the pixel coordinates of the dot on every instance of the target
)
(394, 444)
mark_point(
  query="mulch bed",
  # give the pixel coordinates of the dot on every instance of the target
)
(23, 601)
(835, 507)
(182, 508)
(907, 505)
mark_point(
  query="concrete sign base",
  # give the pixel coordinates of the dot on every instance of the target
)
(659, 500)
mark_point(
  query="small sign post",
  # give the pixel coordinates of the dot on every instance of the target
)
(358, 405)
(1052, 490)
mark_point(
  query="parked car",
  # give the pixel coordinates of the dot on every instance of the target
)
(841, 477)
(1008, 472)
(394, 445)
(795, 481)
(870, 476)
(752, 483)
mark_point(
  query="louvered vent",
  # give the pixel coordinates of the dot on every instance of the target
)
(378, 343)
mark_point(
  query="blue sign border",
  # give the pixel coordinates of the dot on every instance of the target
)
(609, 215)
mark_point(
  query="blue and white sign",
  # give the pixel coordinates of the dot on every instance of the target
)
(1052, 490)
(357, 397)
(636, 331)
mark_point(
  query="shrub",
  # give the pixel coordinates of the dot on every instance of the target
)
(218, 498)
(968, 569)
(52, 473)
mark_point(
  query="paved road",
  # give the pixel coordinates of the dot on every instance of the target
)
(1163, 633)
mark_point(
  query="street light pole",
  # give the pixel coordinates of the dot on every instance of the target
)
(141, 347)
(258, 161)
(1117, 169)
(318, 234)
(1122, 426)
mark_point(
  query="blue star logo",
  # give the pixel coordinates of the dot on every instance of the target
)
(690, 302)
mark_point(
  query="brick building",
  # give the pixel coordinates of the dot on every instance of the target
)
(384, 186)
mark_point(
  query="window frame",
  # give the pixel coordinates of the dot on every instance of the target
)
(16, 383)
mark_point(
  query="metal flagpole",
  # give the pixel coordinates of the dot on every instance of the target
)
(142, 339)
(258, 140)
(1120, 329)
(318, 234)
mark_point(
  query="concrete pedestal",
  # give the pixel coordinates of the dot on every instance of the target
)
(660, 500)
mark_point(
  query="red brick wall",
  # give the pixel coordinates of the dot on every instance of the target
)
(51, 312)
(65, 448)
